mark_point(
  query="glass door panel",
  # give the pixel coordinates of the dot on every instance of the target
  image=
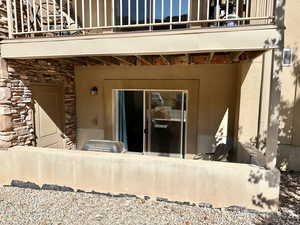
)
(165, 122)
(152, 121)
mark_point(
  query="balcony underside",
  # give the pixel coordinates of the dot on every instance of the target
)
(154, 60)
(251, 38)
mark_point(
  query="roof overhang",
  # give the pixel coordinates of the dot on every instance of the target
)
(250, 38)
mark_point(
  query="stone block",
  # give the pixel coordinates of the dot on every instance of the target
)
(7, 138)
(5, 123)
(5, 110)
(5, 93)
(5, 144)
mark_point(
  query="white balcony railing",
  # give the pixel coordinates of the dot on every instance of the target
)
(71, 17)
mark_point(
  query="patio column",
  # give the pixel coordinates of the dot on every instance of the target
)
(274, 96)
(5, 107)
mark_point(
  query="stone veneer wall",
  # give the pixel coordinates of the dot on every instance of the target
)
(3, 20)
(16, 102)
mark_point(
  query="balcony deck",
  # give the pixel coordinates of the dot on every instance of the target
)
(49, 28)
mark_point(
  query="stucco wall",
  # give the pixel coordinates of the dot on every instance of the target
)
(217, 90)
(289, 136)
(246, 123)
(217, 183)
(290, 92)
(253, 92)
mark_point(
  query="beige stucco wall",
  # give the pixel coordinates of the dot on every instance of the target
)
(247, 104)
(220, 184)
(253, 95)
(290, 92)
(289, 136)
(217, 93)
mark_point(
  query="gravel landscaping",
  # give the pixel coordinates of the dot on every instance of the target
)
(20, 206)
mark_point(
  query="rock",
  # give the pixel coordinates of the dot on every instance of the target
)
(5, 110)
(22, 184)
(57, 188)
(5, 123)
(5, 144)
(5, 93)
(205, 205)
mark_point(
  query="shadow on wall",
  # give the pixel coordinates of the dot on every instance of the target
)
(256, 146)
(260, 142)
(272, 177)
(289, 131)
(287, 111)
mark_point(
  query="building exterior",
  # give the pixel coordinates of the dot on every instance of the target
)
(176, 78)
(289, 129)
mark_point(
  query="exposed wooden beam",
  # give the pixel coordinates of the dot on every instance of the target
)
(198, 59)
(98, 59)
(123, 60)
(235, 56)
(166, 61)
(143, 59)
(106, 60)
(210, 57)
(188, 58)
(76, 60)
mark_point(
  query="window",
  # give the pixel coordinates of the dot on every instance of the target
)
(287, 59)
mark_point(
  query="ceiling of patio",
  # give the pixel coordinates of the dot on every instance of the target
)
(150, 60)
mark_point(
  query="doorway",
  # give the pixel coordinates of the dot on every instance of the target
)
(48, 115)
(152, 121)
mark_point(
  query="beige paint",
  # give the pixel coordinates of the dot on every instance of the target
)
(216, 94)
(248, 98)
(253, 102)
(85, 134)
(217, 183)
(139, 43)
(290, 92)
(289, 133)
(48, 115)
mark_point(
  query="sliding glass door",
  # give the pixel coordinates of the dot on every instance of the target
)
(165, 122)
(152, 122)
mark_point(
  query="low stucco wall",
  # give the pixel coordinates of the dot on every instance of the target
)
(218, 183)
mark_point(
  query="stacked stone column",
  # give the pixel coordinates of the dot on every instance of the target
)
(6, 126)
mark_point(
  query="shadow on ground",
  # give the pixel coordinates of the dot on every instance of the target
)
(289, 211)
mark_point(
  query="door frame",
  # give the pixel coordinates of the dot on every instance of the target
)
(191, 85)
(146, 148)
(59, 85)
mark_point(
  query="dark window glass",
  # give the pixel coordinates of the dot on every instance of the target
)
(287, 56)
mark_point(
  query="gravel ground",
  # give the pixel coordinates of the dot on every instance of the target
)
(20, 206)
